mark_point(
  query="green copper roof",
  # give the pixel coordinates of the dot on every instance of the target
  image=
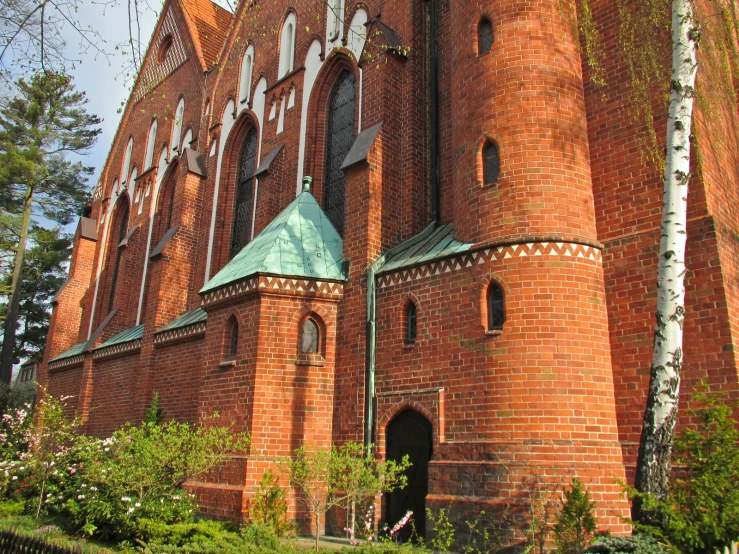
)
(76, 350)
(188, 318)
(134, 333)
(430, 244)
(300, 242)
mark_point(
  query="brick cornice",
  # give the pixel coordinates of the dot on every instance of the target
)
(181, 333)
(492, 254)
(116, 349)
(273, 285)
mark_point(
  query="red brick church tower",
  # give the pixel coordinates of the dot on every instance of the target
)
(411, 223)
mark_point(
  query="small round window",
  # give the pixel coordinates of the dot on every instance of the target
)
(164, 47)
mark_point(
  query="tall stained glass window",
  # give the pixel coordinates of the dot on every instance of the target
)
(121, 232)
(244, 193)
(339, 139)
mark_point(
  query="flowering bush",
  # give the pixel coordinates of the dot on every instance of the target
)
(137, 475)
(107, 488)
(34, 456)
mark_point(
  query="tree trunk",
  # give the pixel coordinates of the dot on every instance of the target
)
(655, 448)
(11, 319)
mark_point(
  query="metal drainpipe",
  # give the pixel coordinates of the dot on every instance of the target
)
(369, 355)
(434, 115)
(371, 321)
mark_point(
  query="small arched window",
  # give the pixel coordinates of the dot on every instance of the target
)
(411, 323)
(179, 116)
(490, 163)
(150, 143)
(164, 48)
(339, 140)
(484, 36)
(287, 46)
(309, 337)
(496, 307)
(127, 161)
(119, 234)
(244, 193)
(246, 74)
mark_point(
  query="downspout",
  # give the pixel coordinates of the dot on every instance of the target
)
(369, 353)
(371, 320)
(434, 115)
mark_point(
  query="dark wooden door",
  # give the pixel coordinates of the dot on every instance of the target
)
(409, 434)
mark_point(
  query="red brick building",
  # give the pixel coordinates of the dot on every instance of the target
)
(470, 278)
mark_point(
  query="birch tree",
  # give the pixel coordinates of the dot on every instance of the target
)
(661, 69)
(660, 416)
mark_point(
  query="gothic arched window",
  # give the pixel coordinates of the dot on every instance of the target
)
(339, 140)
(496, 307)
(121, 232)
(244, 193)
(490, 163)
(309, 337)
(484, 37)
(411, 323)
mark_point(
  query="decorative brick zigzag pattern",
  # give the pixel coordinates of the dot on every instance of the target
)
(493, 254)
(156, 72)
(181, 333)
(268, 284)
(66, 362)
(122, 348)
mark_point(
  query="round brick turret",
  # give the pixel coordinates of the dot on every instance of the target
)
(525, 95)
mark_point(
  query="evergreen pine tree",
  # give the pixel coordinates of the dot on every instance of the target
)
(39, 129)
(576, 524)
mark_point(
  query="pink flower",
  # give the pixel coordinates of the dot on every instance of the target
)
(402, 523)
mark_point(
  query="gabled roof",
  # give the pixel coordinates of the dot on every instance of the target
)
(430, 244)
(209, 25)
(300, 242)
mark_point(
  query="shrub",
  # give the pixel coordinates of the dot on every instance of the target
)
(182, 534)
(138, 473)
(32, 456)
(269, 506)
(701, 511)
(575, 525)
(638, 544)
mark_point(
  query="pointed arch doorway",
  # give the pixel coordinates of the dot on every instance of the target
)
(409, 433)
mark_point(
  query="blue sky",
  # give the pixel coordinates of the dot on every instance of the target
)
(100, 77)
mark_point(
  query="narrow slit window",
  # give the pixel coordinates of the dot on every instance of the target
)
(233, 341)
(309, 337)
(411, 323)
(484, 37)
(496, 307)
(491, 163)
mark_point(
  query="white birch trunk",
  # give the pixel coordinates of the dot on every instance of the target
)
(653, 467)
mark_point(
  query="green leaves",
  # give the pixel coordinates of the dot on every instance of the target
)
(576, 524)
(39, 127)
